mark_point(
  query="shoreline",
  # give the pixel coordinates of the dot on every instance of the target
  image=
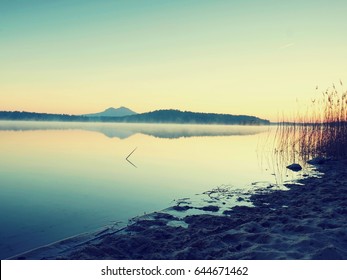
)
(307, 221)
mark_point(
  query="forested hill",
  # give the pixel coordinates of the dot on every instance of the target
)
(176, 116)
(30, 116)
(159, 116)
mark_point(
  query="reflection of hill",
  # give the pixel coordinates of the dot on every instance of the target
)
(108, 130)
(123, 131)
(178, 131)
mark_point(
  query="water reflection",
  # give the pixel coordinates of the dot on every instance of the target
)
(61, 179)
(123, 131)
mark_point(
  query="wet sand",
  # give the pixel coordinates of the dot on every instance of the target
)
(307, 221)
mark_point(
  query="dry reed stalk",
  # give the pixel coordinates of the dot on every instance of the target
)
(321, 131)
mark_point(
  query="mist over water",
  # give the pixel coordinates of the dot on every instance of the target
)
(125, 130)
(63, 179)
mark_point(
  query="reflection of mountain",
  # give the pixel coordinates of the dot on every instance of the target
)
(123, 131)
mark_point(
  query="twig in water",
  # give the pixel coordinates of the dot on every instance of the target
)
(129, 156)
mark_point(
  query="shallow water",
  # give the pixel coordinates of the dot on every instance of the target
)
(62, 179)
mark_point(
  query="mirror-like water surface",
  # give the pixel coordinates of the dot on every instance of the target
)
(62, 179)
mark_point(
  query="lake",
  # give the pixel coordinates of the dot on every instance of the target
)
(62, 179)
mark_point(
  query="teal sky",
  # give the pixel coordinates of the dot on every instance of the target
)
(237, 57)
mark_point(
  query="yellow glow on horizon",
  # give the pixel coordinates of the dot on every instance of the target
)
(224, 58)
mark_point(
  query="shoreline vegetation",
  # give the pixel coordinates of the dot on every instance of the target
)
(320, 132)
(159, 116)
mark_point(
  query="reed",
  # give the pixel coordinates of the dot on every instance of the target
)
(320, 131)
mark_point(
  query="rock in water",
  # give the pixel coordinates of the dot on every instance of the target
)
(294, 167)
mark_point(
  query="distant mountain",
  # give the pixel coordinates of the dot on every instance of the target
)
(159, 116)
(113, 112)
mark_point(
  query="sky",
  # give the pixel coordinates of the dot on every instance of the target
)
(262, 58)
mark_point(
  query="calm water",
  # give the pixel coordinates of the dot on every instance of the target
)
(62, 179)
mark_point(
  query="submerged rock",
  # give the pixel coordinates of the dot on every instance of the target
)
(210, 208)
(317, 160)
(181, 208)
(294, 167)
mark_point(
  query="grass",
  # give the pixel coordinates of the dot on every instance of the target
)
(321, 131)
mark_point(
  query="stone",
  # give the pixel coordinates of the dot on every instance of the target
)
(294, 167)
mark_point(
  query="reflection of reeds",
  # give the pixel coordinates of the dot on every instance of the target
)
(322, 131)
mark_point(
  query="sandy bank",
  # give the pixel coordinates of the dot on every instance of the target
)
(308, 221)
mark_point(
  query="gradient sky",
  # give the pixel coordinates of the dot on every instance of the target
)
(237, 57)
